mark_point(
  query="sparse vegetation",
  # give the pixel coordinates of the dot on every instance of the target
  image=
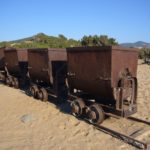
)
(42, 40)
(145, 55)
(96, 40)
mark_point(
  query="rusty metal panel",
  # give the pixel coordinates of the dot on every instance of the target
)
(122, 59)
(96, 70)
(89, 70)
(41, 61)
(11, 60)
(22, 55)
(16, 61)
(38, 64)
(2, 63)
(57, 54)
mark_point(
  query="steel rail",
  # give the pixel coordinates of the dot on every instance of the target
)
(139, 120)
(125, 138)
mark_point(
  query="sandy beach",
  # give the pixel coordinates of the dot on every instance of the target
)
(53, 128)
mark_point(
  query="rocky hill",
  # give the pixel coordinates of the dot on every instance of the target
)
(139, 44)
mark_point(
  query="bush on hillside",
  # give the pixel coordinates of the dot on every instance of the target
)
(145, 55)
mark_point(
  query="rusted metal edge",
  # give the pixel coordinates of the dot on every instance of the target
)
(57, 49)
(100, 48)
(46, 49)
(35, 50)
(139, 120)
(127, 139)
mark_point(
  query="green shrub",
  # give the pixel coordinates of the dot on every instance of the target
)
(145, 54)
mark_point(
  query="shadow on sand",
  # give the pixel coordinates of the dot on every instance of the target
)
(62, 105)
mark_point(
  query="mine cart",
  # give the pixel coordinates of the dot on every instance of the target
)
(48, 72)
(104, 78)
(2, 64)
(16, 62)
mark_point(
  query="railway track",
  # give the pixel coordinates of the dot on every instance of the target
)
(125, 138)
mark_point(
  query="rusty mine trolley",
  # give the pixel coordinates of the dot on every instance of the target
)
(108, 75)
(96, 81)
(100, 80)
(48, 72)
(16, 63)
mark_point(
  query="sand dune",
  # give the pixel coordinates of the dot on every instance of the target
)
(51, 128)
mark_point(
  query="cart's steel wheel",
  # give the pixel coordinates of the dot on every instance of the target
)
(43, 95)
(96, 114)
(34, 90)
(77, 106)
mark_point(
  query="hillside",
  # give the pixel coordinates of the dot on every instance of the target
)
(139, 44)
(41, 40)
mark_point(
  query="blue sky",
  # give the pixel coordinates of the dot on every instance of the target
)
(125, 20)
